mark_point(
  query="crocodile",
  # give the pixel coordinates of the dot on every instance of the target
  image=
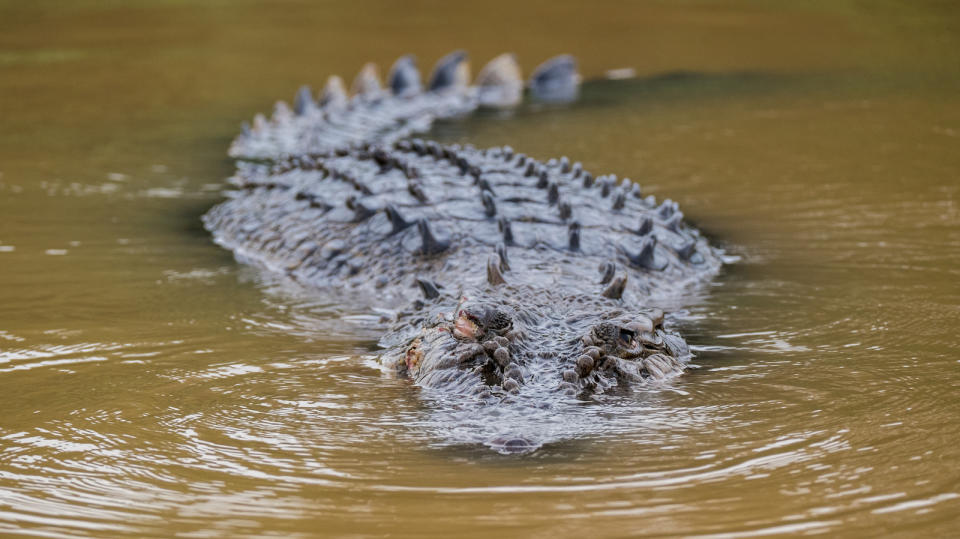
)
(513, 280)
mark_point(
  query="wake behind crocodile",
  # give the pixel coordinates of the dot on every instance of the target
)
(527, 287)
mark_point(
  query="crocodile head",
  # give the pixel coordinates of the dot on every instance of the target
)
(529, 345)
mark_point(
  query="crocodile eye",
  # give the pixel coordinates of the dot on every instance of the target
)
(500, 321)
(627, 336)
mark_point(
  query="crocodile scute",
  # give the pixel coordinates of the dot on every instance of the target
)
(512, 277)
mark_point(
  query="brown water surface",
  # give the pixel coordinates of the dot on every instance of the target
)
(150, 385)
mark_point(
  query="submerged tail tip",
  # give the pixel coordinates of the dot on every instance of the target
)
(500, 83)
(556, 80)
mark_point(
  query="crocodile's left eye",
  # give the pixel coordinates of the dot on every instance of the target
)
(500, 321)
(627, 336)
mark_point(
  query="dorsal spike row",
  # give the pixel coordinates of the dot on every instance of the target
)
(416, 190)
(484, 185)
(417, 146)
(587, 180)
(604, 187)
(404, 77)
(259, 122)
(620, 200)
(500, 83)
(531, 170)
(573, 233)
(616, 288)
(553, 193)
(646, 225)
(646, 258)
(281, 112)
(666, 209)
(555, 80)
(451, 74)
(430, 244)
(564, 165)
(303, 102)
(360, 210)
(494, 275)
(576, 170)
(636, 191)
(504, 226)
(396, 218)
(565, 210)
(334, 95)
(687, 250)
(489, 206)
(673, 223)
(544, 180)
(502, 253)
(367, 83)
(430, 289)
(607, 270)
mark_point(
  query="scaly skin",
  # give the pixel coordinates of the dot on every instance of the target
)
(538, 278)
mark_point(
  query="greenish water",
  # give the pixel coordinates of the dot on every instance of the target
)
(152, 386)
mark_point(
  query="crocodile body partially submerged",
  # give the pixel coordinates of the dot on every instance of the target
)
(520, 278)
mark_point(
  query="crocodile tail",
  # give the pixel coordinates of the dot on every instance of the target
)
(378, 114)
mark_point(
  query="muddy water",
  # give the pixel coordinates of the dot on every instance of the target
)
(150, 385)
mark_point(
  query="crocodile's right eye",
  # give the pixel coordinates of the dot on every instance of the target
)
(627, 336)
